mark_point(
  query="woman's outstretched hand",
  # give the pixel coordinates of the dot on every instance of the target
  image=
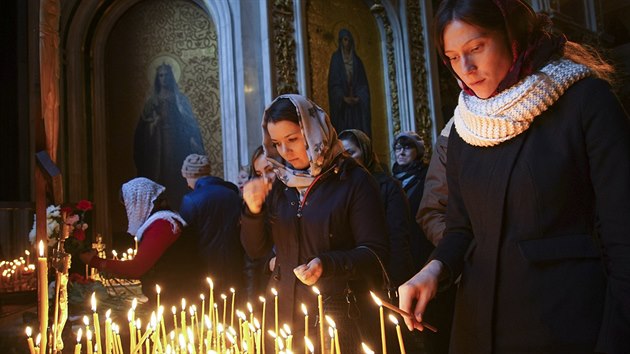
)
(417, 291)
(309, 273)
(254, 193)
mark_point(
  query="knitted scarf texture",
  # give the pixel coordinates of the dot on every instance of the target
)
(489, 122)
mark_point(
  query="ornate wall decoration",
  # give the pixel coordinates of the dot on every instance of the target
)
(422, 112)
(151, 33)
(284, 47)
(324, 21)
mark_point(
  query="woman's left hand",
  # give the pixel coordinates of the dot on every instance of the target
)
(309, 273)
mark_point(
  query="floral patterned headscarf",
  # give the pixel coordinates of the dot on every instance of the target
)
(138, 196)
(322, 145)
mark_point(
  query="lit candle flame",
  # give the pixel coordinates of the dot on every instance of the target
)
(86, 320)
(183, 304)
(250, 308)
(202, 297)
(93, 301)
(41, 248)
(38, 339)
(107, 314)
(79, 334)
(158, 289)
(376, 299)
(366, 349)
(304, 309)
(88, 334)
(330, 321)
(29, 331)
(134, 303)
(210, 282)
(309, 344)
(393, 319)
(316, 291)
(274, 292)
(287, 328)
(174, 310)
(232, 290)
(261, 299)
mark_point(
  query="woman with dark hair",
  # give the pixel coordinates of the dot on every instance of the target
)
(166, 133)
(323, 216)
(538, 176)
(163, 256)
(399, 221)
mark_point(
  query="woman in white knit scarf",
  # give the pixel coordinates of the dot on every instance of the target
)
(538, 175)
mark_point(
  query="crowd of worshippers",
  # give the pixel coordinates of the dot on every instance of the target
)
(520, 242)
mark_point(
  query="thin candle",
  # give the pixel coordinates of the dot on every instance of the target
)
(77, 347)
(158, 290)
(331, 333)
(399, 334)
(88, 338)
(305, 325)
(224, 298)
(203, 316)
(382, 319)
(264, 311)
(174, 311)
(320, 307)
(132, 330)
(211, 299)
(275, 312)
(232, 311)
(97, 325)
(42, 277)
(29, 339)
(161, 321)
(108, 332)
(331, 323)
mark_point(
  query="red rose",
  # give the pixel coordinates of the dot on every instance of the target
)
(84, 205)
(79, 234)
(67, 209)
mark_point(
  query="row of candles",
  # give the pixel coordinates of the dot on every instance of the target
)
(18, 274)
(207, 332)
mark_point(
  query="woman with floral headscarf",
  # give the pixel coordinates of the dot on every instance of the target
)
(538, 178)
(163, 256)
(324, 218)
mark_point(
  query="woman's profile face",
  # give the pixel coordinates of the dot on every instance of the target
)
(287, 137)
(480, 58)
(353, 150)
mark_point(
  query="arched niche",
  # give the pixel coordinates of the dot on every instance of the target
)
(85, 35)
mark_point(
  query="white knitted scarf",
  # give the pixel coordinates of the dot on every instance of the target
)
(488, 122)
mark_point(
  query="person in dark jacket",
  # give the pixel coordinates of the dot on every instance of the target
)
(212, 210)
(399, 221)
(325, 219)
(411, 170)
(538, 175)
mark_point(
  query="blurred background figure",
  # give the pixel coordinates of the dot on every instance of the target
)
(212, 210)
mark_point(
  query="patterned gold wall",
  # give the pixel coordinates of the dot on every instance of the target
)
(324, 20)
(177, 32)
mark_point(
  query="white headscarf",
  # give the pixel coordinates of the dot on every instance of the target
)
(139, 194)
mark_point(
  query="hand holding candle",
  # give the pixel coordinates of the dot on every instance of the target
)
(401, 312)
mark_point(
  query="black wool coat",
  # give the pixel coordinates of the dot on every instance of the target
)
(341, 211)
(539, 228)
